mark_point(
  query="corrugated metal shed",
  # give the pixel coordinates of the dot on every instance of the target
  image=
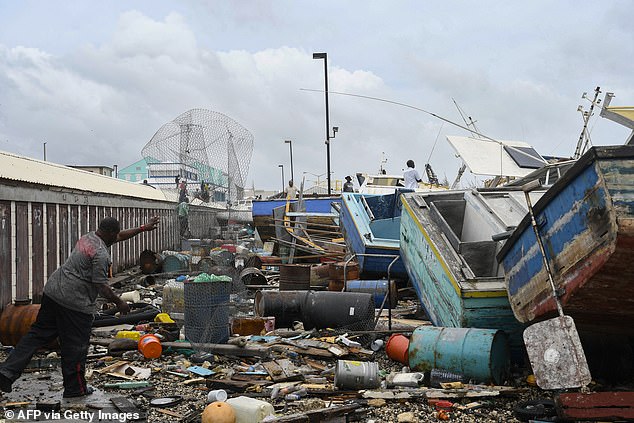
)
(25, 169)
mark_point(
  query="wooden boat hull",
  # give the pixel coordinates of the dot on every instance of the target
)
(377, 235)
(452, 267)
(586, 221)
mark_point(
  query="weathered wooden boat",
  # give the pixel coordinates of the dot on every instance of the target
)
(586, 221)
(450, 256)
(370, 225)
(264, 221)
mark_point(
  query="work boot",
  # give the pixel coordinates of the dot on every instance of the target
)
(5, 383)
(89, 390)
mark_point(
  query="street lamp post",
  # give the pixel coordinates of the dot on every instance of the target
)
(325, 57)
(290, 146)
(44, 151)
(282, 167)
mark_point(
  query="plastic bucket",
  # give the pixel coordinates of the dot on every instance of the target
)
(354, 375)
(150, 346)
(479, 354)
(397, 348)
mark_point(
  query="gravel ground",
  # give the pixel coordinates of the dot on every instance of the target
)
(496, 409)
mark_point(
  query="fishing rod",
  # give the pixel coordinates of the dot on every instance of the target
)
(485, 137)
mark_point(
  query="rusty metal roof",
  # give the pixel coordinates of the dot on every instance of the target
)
(25, 169)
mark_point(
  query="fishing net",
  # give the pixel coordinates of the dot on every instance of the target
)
(207, 150)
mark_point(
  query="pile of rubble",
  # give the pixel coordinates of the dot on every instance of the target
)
(219, 344)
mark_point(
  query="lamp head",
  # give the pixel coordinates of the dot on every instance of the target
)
(319, 55)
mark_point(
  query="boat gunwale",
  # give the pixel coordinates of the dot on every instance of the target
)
(593, 155)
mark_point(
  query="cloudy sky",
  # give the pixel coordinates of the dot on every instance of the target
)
(95, 80)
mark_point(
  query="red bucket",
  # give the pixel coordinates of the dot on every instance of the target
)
(397, 348)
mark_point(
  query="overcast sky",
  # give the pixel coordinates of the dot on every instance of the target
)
(96, 79)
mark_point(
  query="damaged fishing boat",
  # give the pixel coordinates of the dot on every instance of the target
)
(370, 225)
(586, 221)
(449, 242)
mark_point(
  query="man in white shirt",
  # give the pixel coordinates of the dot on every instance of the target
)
(411, 176)
(291, 190)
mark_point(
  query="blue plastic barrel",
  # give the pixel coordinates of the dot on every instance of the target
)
(378, 289)
(479, 354)
(176, 263)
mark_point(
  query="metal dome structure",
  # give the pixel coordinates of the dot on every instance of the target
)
(207, 150)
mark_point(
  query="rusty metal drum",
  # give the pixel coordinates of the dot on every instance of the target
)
(16, 320)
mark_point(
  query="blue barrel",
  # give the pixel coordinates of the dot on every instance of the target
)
(176, 263)
(378, 289)
(479, 354)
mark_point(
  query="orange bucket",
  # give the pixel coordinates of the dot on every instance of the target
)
(397, 348)
(150, 346)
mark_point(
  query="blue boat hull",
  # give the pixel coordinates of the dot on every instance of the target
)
(378, 235)
(586, 222)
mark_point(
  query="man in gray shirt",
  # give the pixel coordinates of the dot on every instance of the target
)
(68, 305)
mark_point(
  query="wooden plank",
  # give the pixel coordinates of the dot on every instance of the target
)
(22, 256)
(596, 406)
(37, 251)
(51, 239)
(281, 370)
(5, 253)
(64, 241)
(74, 226)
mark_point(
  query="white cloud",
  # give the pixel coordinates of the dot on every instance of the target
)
(518, 73)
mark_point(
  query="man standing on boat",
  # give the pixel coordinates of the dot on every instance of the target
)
(291, 190)
(411, 176)
(348, 186)
(68, 305)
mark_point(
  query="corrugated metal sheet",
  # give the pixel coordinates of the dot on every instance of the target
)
(25, 169)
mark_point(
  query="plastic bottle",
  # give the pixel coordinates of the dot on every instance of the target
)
(250, 410)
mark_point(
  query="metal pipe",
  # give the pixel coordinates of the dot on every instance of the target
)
(389, 290)
(527, 189)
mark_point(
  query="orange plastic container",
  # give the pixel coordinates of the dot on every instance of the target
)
(150, 346)
(397, 348)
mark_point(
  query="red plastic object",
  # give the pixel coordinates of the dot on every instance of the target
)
(150, 346)
(397, 348)
(229, 247)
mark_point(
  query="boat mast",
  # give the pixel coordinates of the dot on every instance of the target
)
(585, 136)
(475, 132)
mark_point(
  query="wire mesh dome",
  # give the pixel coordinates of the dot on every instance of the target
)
(207, 150)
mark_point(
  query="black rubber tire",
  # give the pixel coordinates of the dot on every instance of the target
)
(535, 409)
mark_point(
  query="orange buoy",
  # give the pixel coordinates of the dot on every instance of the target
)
(150, 346)
(219, 412)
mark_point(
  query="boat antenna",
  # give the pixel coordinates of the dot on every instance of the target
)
(470, 124)
(584, 137)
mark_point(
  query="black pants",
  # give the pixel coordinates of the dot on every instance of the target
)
(183, 222)
(53, 321)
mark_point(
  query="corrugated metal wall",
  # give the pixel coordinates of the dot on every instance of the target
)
(39, 227)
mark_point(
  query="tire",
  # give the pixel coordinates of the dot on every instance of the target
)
(536, 409)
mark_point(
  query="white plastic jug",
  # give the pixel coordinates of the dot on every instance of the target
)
(250, 410)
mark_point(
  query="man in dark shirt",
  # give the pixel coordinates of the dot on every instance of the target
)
(68, 305)
(348, 186)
